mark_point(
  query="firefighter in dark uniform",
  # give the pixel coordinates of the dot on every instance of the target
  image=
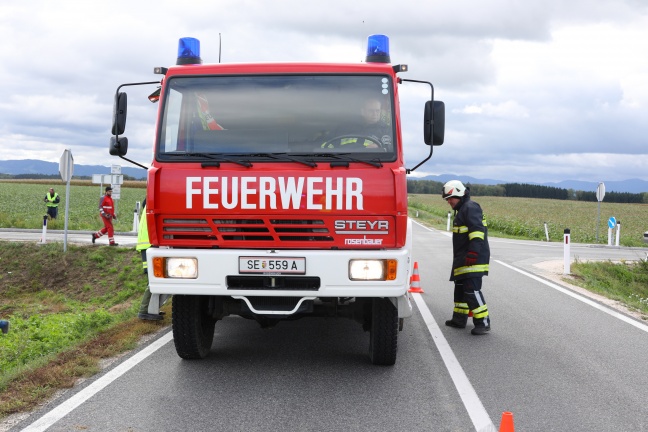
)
(471, 255)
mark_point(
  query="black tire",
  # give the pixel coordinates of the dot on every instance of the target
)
(193, 328)
(383, 335)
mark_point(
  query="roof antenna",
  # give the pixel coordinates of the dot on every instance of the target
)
(219, 47)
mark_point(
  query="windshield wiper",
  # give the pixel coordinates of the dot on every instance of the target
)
(285, 156)
(347, 158)
(217, 157)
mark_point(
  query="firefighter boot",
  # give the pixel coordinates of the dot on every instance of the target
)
(479, 310)
(459, 316)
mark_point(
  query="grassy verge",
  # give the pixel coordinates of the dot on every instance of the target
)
(625, 282)
(68, 311)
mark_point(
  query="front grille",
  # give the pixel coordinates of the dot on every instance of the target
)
(231, 230)
(288, 283)
(285, 232)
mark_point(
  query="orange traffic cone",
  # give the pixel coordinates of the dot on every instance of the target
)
(507, 422)
(415, 280)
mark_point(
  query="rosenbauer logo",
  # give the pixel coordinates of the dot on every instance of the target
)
(285, 193)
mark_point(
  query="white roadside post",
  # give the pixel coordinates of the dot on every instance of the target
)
(600, 194)
(44, 235)
(448, 224)
(618, 233)
(566, 252)
(136, 216)
(66, 168)
(546, 232)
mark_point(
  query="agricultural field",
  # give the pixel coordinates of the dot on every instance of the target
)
(525, 218)
(22, 206)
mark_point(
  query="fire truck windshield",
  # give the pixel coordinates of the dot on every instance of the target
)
(293, 115)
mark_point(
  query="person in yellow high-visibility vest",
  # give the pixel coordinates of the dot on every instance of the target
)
(142, 245)
(52, 200)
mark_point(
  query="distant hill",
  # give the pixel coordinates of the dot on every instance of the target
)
(32, 166)
(631, 185)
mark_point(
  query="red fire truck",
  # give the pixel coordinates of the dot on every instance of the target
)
(278, 191)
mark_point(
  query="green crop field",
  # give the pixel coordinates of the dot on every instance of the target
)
(22, 206)
(525, 217)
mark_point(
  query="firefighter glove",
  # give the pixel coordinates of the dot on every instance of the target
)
(471, 258)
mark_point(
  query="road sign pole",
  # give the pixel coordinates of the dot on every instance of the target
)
(598, 220)
(67, 210)
(66, 169)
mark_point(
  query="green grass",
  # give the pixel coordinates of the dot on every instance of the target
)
(624, 282)
(68, 310)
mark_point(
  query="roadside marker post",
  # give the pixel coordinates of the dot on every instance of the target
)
(44, 235)
(566, 252)
(618, 233)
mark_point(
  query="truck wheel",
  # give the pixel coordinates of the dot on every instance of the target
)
(193, 328)
(383, 335)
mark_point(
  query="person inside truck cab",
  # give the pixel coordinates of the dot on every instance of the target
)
(369, 132)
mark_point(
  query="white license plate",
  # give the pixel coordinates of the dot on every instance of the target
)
(283, 265)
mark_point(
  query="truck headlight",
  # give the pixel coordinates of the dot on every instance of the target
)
(372, 269)
(176, 268)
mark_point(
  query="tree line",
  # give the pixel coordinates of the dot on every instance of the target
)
(522, 190)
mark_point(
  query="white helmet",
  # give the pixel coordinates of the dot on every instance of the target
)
(453, 188)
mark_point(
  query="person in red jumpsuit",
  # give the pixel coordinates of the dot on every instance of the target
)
(107, 213)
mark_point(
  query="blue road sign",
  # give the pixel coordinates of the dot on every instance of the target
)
(612, 222)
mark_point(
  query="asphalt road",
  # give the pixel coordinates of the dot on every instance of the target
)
(558, 361)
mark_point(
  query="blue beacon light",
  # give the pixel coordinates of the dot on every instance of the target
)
(378, 49)
(188, 51)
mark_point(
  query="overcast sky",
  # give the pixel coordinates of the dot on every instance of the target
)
(535, 91)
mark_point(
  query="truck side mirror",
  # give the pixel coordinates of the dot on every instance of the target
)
(119, 114)
(434, 123)
(118, 147)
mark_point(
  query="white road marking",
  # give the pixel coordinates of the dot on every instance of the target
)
(476, 411)
(579, 297)
(63, 409)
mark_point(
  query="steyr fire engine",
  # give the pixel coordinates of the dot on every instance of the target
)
(278, 191)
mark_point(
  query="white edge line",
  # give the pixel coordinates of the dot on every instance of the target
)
(480, 419)
(63, 409)
(570, 293)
